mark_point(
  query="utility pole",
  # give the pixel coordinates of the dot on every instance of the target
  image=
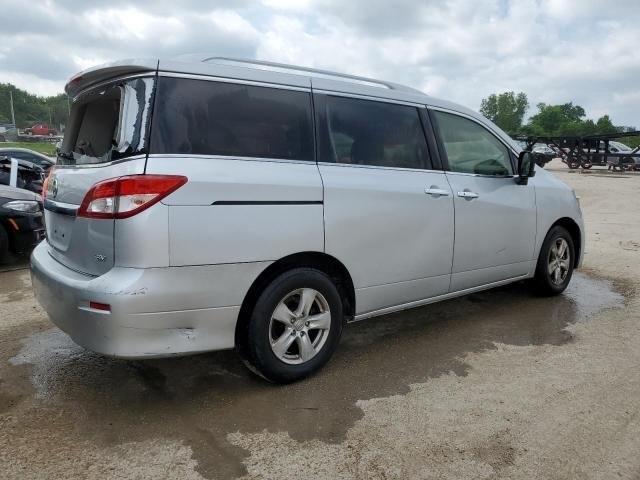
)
(13, 115)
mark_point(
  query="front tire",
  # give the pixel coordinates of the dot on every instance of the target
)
(555, 263)
(295, 326)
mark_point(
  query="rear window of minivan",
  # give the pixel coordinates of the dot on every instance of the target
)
(108, 123)
(203, 117)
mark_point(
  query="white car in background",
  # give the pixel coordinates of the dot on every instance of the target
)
(8, 132)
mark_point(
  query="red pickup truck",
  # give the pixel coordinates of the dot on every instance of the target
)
(40, 129)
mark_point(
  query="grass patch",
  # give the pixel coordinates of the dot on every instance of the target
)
(632, 142)
(47, 148)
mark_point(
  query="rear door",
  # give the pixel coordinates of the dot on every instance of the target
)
(105, 139)
(495, 217)
(388, 210)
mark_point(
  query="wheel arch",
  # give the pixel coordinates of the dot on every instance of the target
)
(576, 235)
(319, 260)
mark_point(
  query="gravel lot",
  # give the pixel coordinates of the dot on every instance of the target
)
(494, 385)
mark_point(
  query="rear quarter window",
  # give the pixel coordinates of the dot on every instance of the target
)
(203, 117)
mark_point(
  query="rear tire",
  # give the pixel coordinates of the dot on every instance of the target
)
(555, 262)
(294, 328)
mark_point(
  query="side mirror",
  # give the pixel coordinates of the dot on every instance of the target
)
(526, 167)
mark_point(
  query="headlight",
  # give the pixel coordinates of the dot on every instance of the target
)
(24, 206)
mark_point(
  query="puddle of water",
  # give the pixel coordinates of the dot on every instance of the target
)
(590, 296)
(201, 399)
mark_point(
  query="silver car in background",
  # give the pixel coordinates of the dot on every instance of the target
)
(201, 204)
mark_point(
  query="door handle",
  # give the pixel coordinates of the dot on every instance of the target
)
(436, 192)
(468, 194)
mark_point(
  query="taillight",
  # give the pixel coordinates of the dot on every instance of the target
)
(124, 197)
(45, 183)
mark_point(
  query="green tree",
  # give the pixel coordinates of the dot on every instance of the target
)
(632, 142)
(506, 110)
(30, 109)
(565, 119)
(605, 125)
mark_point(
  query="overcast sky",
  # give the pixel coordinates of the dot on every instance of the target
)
(556, 51)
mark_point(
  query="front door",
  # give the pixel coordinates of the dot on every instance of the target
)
(495, 217)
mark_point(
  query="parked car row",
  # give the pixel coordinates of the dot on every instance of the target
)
(623, 158)
(32, 156)
(41, 129)
(21, 226)
(8, 132)
(618, 157)
(22, 173)
(543, 153)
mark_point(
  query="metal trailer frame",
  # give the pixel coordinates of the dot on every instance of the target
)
(588, 150)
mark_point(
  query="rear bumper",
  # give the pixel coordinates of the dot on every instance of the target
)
(155, 312)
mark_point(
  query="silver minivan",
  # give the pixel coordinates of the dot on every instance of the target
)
(201, 204)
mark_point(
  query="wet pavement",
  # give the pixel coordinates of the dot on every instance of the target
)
(58, 398)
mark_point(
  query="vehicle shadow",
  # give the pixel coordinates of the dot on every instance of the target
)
(201, 399)
(15, 262)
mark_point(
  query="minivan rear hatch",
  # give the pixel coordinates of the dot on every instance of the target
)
(106, 138)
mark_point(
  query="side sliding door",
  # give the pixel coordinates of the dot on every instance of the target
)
(388, 210)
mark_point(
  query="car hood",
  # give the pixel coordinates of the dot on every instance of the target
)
(14, 193)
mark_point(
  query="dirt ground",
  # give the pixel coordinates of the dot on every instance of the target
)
(493, 385)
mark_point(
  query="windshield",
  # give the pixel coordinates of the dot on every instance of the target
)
(108, 123)
(620, 146)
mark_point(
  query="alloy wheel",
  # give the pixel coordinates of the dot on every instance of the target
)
(299, 326)
(559, 261)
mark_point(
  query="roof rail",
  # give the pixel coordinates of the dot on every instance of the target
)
(283, 67)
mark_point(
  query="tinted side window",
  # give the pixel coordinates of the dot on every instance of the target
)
(471, 148)
(215, 118)
(365, 132)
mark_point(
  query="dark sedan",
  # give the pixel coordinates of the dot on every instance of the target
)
(21, 225)
(32, 156)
